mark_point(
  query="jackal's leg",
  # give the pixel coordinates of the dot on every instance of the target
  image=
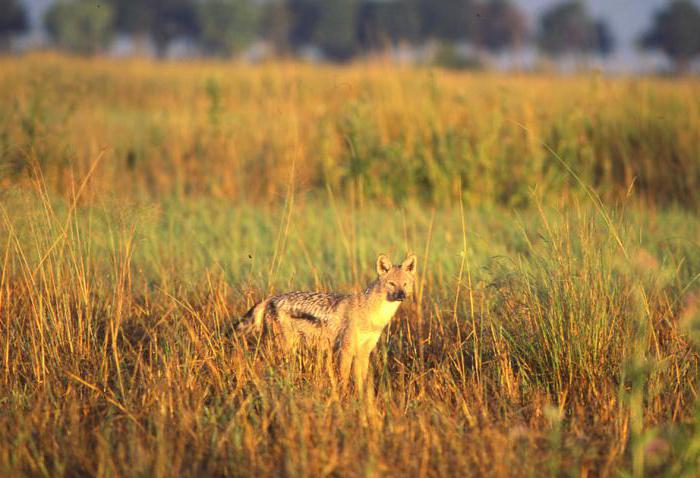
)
(361, 368)
(359, 374)
(345, 366)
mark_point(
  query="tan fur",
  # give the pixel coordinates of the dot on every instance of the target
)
(349, 323)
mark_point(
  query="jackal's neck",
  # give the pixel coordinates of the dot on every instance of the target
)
(379, 309)
(374, 294)
(371, 288)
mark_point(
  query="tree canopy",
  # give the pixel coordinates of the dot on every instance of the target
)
(226, 26)
(452, 20)
(340, 28)
(501, 25)
(388, 23)
(82, 26)
(335, 30)
(568, 28)
(163, 20)
(12, 20)
(676, 32)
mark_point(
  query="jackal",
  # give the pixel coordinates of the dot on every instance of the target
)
(349, 323)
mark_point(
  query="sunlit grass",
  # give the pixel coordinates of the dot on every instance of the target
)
(386, 134)
(145, 207)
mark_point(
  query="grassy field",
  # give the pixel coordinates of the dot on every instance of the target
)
(145, 206)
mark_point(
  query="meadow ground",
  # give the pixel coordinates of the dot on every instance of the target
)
(145, 206)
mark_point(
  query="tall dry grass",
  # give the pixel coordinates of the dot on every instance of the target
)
(136, 225)
(390, 135)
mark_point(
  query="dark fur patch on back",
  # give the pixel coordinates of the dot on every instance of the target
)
(303, 315)
(249, 314)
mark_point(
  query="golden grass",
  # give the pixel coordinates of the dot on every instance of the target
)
(233, 130)
(145, 206)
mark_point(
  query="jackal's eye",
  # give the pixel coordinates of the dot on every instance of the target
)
(392, 283)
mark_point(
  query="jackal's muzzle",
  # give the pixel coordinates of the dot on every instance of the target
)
(398, 295)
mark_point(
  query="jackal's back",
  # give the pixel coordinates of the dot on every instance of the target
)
(318, 308)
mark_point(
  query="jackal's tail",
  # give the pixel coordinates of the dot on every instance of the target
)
(252, 321)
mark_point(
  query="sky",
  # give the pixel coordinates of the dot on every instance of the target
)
(627, 19)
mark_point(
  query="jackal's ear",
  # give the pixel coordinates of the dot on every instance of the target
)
(384, 264)
(409, 264)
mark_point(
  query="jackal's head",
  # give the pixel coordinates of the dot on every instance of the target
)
(396, 282)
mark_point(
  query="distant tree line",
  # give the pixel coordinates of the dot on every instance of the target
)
(342, 29)
(13, 20)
